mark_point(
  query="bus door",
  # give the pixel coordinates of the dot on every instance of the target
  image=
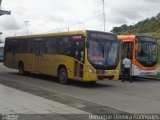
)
(37, 52)
(13, 53)
(126, 51)
(79, 56)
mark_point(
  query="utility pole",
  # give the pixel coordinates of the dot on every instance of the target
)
(104, 16)
(26, 22)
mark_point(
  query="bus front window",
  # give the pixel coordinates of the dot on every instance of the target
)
(147, 52)
(95, 54)
(103, 54)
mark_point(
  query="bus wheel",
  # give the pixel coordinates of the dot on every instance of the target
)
(21, 68)
(62, 75)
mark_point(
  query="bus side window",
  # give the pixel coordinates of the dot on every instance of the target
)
(13, 47)
(67, 46)
(7, 46)
(61, 46)
(44, 49)
(79, 49)
(55, 45)
(48, 46)
(30, 46)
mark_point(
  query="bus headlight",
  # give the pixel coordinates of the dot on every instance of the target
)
(115, 72)
(90, 69)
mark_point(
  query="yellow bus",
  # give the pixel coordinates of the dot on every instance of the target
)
(75, 55)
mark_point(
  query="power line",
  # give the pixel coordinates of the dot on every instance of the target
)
(78, 23)
(94, 17)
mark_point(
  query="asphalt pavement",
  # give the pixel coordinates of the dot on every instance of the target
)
(141, 96)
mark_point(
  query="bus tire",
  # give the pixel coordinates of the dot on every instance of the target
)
(63, 75)
(21, 68)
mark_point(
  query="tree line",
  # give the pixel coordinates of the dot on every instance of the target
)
(145, 26)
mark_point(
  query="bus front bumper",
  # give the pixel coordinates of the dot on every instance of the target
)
(105, 77)
(139, 72)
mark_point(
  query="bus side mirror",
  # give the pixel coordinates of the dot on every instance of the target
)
(87, 44)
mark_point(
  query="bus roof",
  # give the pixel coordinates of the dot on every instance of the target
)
(123, 37)
(50, 34)
(57, 34)
(131, 37)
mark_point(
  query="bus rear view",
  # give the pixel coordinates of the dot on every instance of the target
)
(142, 51)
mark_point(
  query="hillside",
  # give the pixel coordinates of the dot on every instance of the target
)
(147, 25)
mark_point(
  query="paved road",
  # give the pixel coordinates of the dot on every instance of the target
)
(141, 96)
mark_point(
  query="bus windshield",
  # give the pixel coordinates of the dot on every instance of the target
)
(103, 51)
(147, 53)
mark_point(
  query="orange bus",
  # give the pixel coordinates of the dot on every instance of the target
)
(143, 53)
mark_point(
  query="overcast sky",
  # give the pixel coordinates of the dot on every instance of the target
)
(58, 15)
